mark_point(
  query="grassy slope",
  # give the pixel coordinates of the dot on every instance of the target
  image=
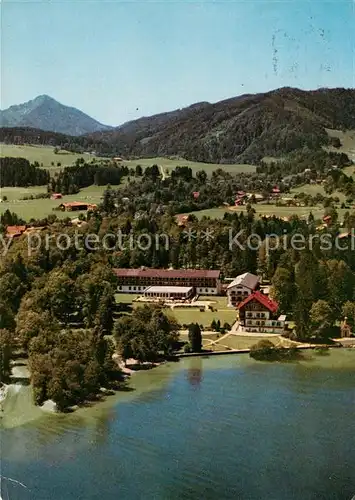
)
(347, 140)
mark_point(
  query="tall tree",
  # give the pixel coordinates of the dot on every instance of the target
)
(195, 337)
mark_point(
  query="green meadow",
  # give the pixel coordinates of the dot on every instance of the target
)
(37, 209)
(44, 155)
(262, 210)
(169, 164)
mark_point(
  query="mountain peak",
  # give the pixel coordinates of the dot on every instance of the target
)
(43, 98)
(45, 113)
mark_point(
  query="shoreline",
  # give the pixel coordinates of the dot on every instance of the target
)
(18, 409)
(247, 350)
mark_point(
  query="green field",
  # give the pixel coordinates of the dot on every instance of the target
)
(169, 164)
(262, 210)
(37, 209)
(313, 189)
(347, 140)
(44, 155)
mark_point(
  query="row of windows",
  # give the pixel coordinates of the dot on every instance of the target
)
(272, 323)
(138, 288)
(197, 281)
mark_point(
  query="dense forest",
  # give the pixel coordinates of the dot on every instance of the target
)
(19, 172)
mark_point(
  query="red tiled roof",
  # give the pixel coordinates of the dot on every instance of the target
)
(15, 230)
(262, 299)
(75, 204)
(167, 273)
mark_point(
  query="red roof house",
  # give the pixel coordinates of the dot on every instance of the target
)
(262, 299)
(258, 313)
(12, 231)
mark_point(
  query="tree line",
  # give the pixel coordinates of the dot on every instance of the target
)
(19, 172)
(71, 179)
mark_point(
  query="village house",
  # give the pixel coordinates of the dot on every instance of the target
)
(56, 196)
(258, 314)
(242, 286)
(14, 231)
(206, 282)
(182, 220)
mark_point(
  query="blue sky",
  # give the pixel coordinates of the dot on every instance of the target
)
(118, 60)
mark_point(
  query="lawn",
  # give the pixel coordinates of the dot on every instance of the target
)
(126, 298)
(244, 342)
(37, 209)
(187, 315)
(44, 155)
(205, 318)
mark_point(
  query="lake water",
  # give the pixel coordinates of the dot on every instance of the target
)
(225, 427)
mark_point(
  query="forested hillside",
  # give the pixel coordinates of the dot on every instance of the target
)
(242, 129)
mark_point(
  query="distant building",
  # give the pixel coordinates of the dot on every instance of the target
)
(14, 231)
(169, 292)
(76, 205)
(345, 329)
(327, 219)
(56, 196)
(205, 282)
(182, 220)
(258, 314)
(241, 287)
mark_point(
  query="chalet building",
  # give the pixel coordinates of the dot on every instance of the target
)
(258, 314)
(169, 292)
(205, 282)
(240, 288)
